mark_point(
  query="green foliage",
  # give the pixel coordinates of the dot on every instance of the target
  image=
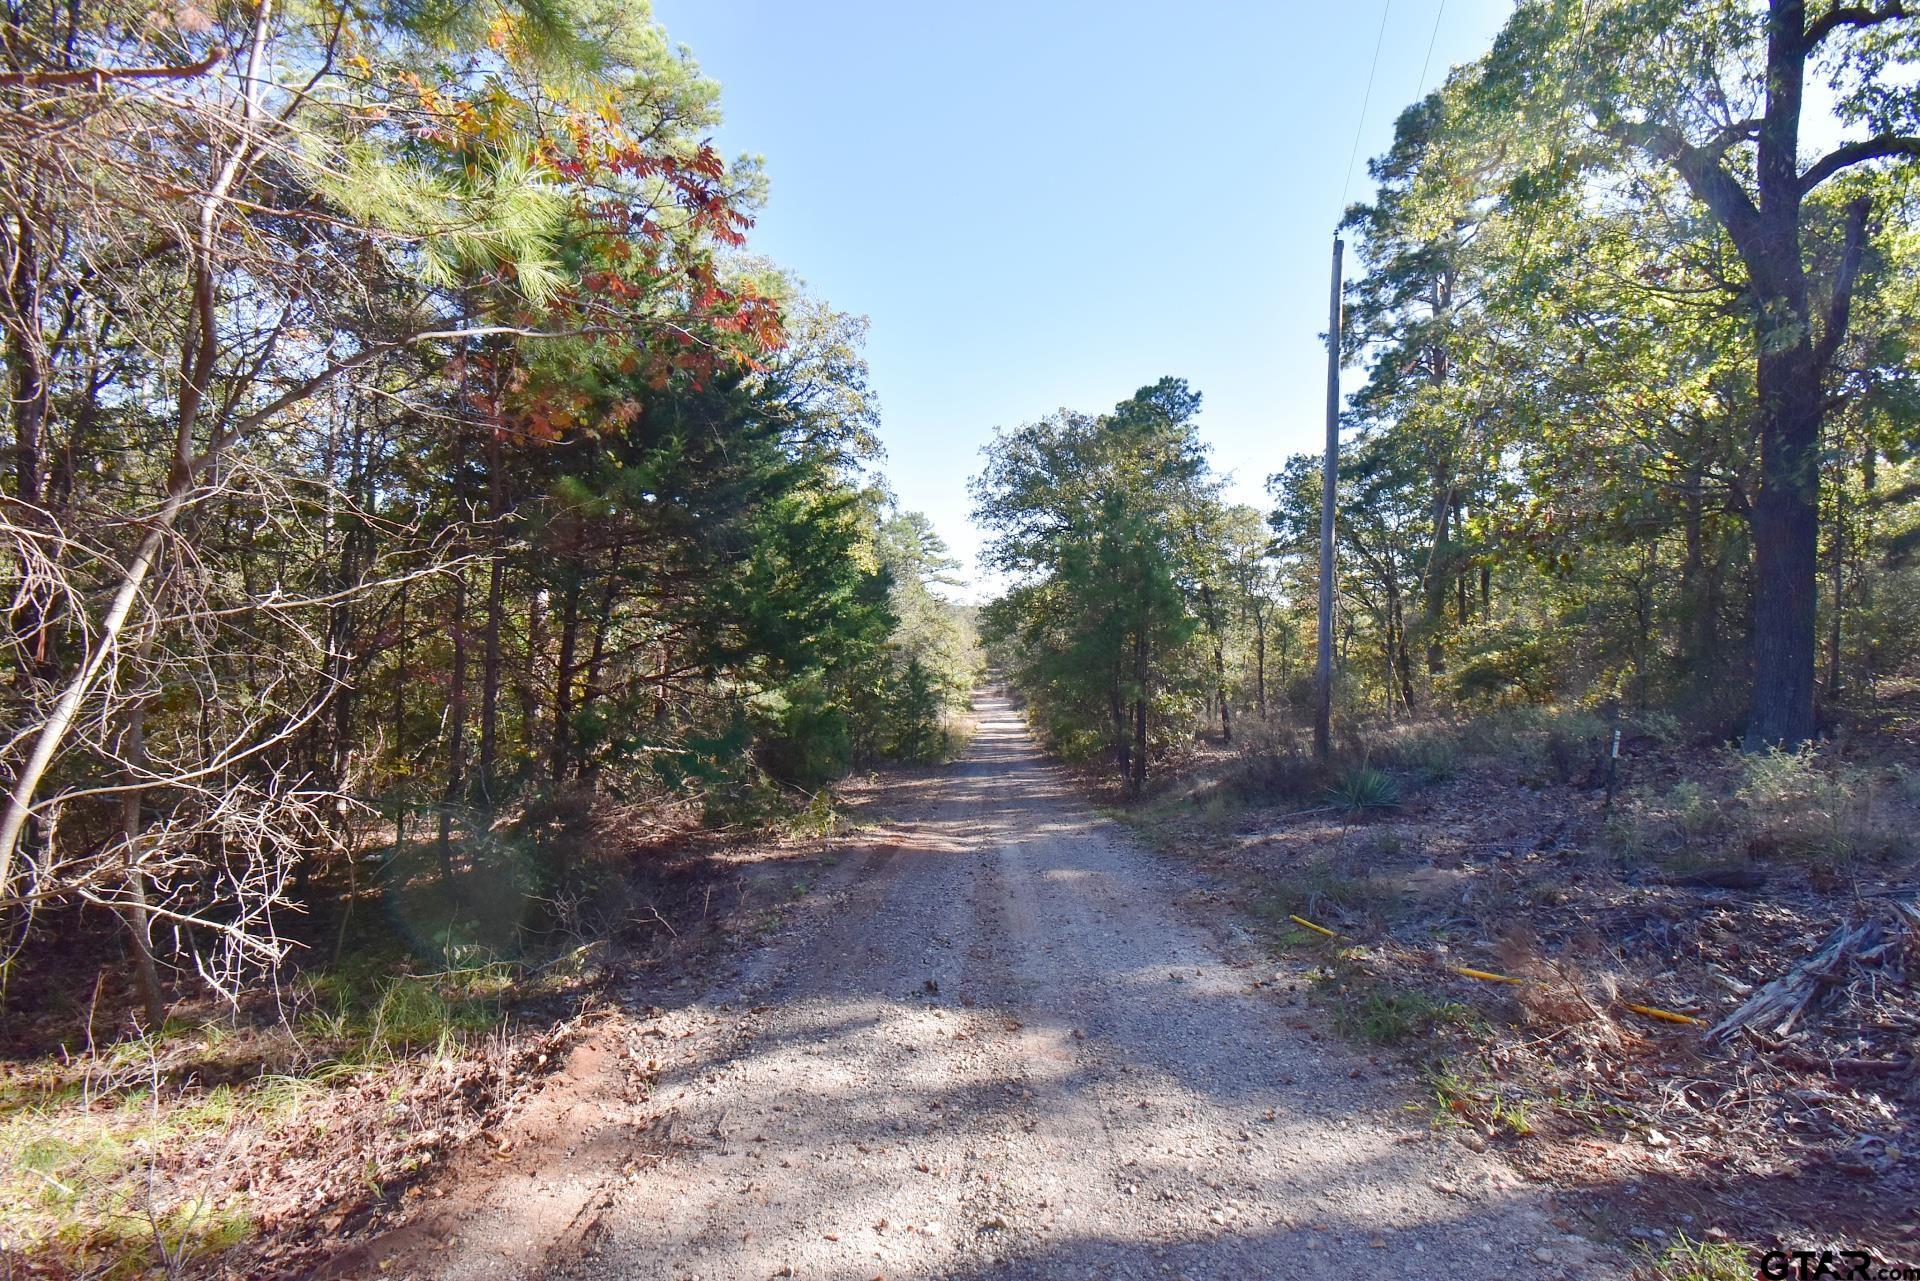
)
(1768, 806)
(1429, 751)
(1777, 781)
(803, 735)
(1364, 790)
(1798, 806)
(1548, 490)
(1551, 743)
(1104, 525)
(86, 1169)
(366, 1017)
(526, 510)
(934, 658)
(1471, 1098)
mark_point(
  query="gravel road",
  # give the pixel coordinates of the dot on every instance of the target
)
(998, 1049)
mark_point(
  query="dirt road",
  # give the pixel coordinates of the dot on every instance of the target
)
(998, 1050)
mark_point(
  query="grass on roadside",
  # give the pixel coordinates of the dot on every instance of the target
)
(1370, 1011)
(83, 1183)
(1689, 1260)
(1461, 1098)
(102, 1153)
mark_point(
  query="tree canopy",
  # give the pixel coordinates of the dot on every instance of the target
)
(406, 454)
(1635, 410)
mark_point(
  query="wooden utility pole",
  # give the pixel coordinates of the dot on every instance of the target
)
(1330, 471)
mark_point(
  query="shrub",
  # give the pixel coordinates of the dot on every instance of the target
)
(1433, 759)
(1662, 727)
(1797, 807)
(1364, 789)
(1692, 812)
(1509, 661)
(1429, 751)
(1773, 780)
(1278, 776)
(1552, 741)
(804, 737)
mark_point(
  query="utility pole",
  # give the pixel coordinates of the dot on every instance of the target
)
(1330, 471)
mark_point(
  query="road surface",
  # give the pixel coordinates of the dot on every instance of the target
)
(998, 1048)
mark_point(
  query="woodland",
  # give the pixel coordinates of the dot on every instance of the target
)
(421, 508)
(1635, 422)
(1613, 825)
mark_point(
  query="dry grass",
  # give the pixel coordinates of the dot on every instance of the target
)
(1710, 874)
(159, 1150)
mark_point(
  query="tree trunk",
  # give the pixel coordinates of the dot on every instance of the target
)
(1140, 668)
(26, 354)
(456, 729)
(496, 609)
(529, 671)
(562, 754)
(1386, 656)
(1438, 561)
(602, 626)
(1219, 662)
(1863, 581)
(340, 622)
(400, 712)
(1790, 372)
(133, 748)
(1837, 571)
(1260, 659)
(1693, 574)
(1403, 659)
(1434, 591)
(1786, 528)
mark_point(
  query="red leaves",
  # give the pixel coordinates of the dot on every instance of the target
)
(648, 305)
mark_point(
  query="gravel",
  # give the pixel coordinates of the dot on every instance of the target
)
(992, 1047)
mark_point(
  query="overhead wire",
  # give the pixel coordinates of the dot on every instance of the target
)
(1366, 100)
(1427, 62)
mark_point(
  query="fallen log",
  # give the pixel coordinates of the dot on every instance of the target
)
(1778, 1005)
(1739, 876)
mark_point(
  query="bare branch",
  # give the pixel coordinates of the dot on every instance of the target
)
(97, 78)
(1841, 305)
(1853, 15)
(1854, 153)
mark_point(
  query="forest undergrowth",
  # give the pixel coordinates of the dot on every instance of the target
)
(1616, 942)
(252, 1139)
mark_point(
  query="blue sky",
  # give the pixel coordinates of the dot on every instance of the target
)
(1056, 202)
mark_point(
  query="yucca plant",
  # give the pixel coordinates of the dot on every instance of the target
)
(1363, 789)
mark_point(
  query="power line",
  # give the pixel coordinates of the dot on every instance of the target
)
(1426, 62)
(1365, 101)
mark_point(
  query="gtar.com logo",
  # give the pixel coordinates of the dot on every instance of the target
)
(1844, 1265)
